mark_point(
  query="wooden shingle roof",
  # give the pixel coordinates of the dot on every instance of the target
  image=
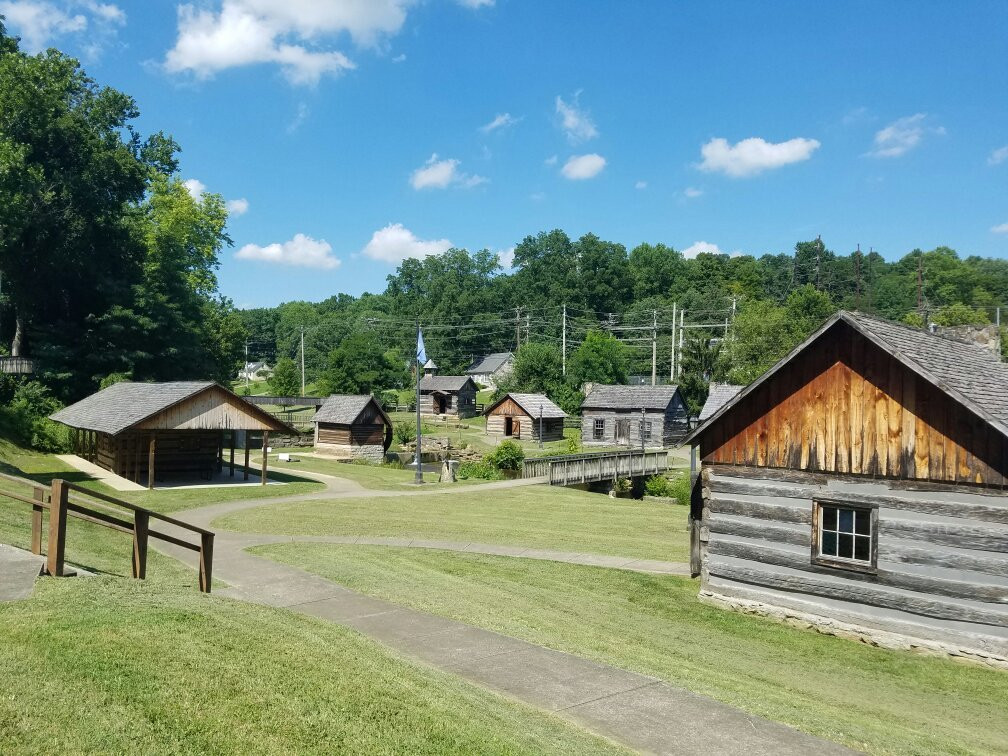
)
(718, 396)
(531, 404)
(489, 363)
(344, 409)
(444, 382)
(630, 397)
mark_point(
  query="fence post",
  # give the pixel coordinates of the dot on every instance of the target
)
(36, 536)
(141, 529)
(206, 561)
(57, 527)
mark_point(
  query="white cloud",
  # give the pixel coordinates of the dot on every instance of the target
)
(238, 206)
(195, 187)
(287, 34)
(399, 58)
(575, 122)
(475, 4)
(40, 22)
(1000, 229)
(998, 156)
(440, 174)
(551, 160)
(754, 155)
(502, 121)
(506, 257)
(395, 243)
(702, 247)
(301, 251)
(902, 135)
(640, 185)
(692, 192)
(303, 111)
(579, 167)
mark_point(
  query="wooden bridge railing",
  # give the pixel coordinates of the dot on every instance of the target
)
(596, 466)
(60, 505)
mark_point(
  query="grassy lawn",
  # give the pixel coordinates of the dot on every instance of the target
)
(375, 477)
(867, 698)
(534, 516)
(106, 665)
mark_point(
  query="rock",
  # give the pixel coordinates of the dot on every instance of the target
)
(448, 470)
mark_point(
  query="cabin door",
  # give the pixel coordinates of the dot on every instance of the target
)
(508, 426)
(439, 404)
(623, 432)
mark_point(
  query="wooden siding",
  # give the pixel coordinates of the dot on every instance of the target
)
(459, 403)
(528, 426)
(176, 453)
(334, 433)
(212, 409)
(667, 427)
(942, 570)
(846, 406)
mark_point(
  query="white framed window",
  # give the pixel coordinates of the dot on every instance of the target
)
(844, 535)
(598, 429)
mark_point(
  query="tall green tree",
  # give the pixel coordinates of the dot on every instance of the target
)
(285, 379)
(361, 366)
(600, 358)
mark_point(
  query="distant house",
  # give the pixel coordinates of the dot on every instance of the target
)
(719, 394)
(518, 416)
(491, 369)
(353, 426)
(859, 486)
(150, 431)
(619, 415)
(254, 371)
(447, 394)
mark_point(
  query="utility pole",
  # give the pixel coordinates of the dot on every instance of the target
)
(642, 421)
(416, 358)
(654, 347)
(671, 374)
(528, 318)
(682, 329)
(517, 328)
(857, 278)
(540, 427)
(818, 261)
(564, 339)
(920, 276)
(871, 252)
(302, 362)
(247, 391)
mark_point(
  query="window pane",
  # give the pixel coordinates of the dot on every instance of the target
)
(846, 521)
(862, 522)
(829, 518)
(828, 545)
(862, 548)
(845, 546)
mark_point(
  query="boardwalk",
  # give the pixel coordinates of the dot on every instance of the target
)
(599, 466)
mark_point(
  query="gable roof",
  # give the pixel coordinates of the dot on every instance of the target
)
(344, 409)
(490, 363)
(531, 403)
(970, 374)
(445, 382)
(430, 365)
(123, 405)
(718, 395)
(630, 397)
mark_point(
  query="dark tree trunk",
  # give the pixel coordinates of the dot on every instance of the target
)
(17, 346)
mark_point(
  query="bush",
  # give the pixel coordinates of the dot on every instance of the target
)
(481, 470)
(113, 378)
(404, 432)
(507, 456)
(658, 485)
(680, 489)
(389, 399)
(27, 416)
(573, 446)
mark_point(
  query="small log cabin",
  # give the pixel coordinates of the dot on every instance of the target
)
(618, 415)
(859, 485)
(353, 426)
(151, 431)
(448, 395)
(518, 416)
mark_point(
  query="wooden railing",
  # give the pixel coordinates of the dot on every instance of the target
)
(597, 466)
(57, 499)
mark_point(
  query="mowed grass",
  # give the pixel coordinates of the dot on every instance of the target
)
(867, 698)
(545, 517)
(105, 665)
(374, 477)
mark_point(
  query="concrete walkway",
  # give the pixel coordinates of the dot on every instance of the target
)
(641, 712)
(18, 570)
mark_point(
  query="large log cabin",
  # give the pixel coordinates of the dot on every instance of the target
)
(153, 431)
(859, 485)
(622, 415)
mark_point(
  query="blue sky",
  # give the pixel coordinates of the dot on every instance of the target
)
(354, 132)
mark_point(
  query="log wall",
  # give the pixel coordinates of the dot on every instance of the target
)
(528, 426)
(667, 427)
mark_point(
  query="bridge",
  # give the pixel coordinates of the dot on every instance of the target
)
(595, 467)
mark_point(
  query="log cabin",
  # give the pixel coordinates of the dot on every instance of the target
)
(448, 395)
(153, 431)
(353, 426)
(859, 486)
(518, 416)
(620, 415)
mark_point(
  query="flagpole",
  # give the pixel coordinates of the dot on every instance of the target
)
(419, 456)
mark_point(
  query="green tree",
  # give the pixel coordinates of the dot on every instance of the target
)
(538, 369)
(960, 314)
(286, 379)
(360, 366)
(600, 358)
(702, 362)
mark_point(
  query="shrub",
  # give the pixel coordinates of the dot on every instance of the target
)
(28, 417)
(573, 447)
(113, 378)
(404, 432)
(658, 485)
(481, 470)
(389, 399)
(507, 456)
(680, 488)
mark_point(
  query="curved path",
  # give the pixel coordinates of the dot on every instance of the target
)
(636, 710)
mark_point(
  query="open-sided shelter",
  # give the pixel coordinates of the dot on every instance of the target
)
(353, 425)
(859, 485)
(519, 415)
(146, 431)
(621, 415)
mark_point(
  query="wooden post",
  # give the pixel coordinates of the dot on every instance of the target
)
(150, 463)
(232, 452)
(262, 480)
(57, 527)
(141, 528)
(247, 450)
(220, 451)
(206, 561)
(36, 537)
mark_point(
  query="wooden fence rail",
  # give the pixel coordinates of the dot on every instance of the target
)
(94, 508)
(591, 468)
